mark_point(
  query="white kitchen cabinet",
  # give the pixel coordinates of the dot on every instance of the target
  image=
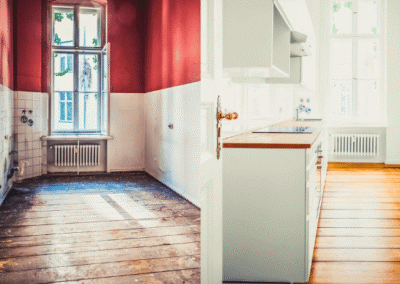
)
(271, 203)
(256, 39)
(302, 75)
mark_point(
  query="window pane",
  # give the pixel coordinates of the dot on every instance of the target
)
(63, 77)
(63, 121)
(342, 17)
(368, 59)
(62, 110)
(63, 27)
(342, 59)
(105, 72)
(69, 96)
(88, 111)
(368, 101)
(368, 17)
(69, 111)
(342, 99)
(88, 73)
(89, 23)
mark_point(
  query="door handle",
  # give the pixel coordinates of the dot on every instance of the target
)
(227, 116)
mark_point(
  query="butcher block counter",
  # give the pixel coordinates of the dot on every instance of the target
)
(277, 140)
(272, 191)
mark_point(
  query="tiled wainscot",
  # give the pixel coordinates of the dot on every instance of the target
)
(31, 150)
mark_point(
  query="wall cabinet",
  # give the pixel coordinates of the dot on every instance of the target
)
(271, 204)
(256, 39)
(302, 75)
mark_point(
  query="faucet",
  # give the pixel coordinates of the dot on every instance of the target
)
(300, 109)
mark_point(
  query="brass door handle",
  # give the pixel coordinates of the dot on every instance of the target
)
(228, 116)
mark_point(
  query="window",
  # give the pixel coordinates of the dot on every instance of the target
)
(66, 107)
(78, 94)
(356, 93)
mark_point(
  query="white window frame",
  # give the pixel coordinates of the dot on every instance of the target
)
(326, 39)
(77, 50)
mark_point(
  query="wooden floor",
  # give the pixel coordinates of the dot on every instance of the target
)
(129, 228)
(125, 228)
(358, 239)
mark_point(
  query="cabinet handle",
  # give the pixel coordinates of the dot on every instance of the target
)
(320, 157)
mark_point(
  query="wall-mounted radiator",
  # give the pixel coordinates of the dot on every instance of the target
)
(74, 155)
(361, 145)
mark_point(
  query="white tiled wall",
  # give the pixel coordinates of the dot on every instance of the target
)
(31, 150)
(6, 137)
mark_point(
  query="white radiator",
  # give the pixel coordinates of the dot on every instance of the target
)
(74, 155)
(361, 145)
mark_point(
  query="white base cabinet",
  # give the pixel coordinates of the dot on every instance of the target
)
(271, 203)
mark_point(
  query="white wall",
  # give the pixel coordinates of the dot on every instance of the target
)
(173, 155)
(393, 83)
(258, 105)
(31, 152)
(6, 144)
(125, 151)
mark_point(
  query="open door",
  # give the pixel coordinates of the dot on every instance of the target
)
(211, 163)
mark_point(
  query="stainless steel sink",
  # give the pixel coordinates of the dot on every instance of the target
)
(297, 129)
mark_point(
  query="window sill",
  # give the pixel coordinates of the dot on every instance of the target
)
(77, 137)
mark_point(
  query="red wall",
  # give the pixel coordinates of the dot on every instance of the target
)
(126, 34)
(172, 43)
(155, 44)
(28, 45)
(6, 44)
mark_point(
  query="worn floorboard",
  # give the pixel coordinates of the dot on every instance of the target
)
(119, 228)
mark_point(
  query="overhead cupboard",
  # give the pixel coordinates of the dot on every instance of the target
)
(267, 41)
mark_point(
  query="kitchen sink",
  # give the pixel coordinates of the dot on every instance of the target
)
(297, 129)
(311, 119)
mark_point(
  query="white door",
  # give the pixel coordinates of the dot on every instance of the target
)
(211, 166)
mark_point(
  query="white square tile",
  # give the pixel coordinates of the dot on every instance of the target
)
(21, 137)
(29, 104)
(29, 171)
(36, 161)
(37, 170)
(21, 146)
(37, 153)
(29, 154)
(36, 144)
(36, 96)
(29, 137)
(21, 104)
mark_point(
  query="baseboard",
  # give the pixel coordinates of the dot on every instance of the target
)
(176, 190)
(134, 169)
(392, 162)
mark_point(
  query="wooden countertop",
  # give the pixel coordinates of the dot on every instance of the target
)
(276, 140)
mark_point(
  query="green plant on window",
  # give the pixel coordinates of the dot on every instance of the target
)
(57, 40)
(70, 16)
(336, 7)
(58, 17)
(348, 5)
(95, 61)
(95, 42)
(334, 29)
(62, 73)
